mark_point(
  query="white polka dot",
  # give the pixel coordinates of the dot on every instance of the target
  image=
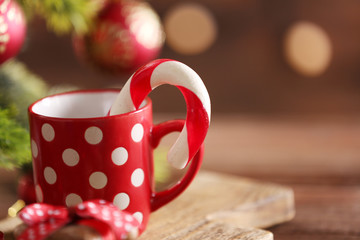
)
(47, 132)
(94, 210)
(72, 199)
(118, 224)
(98, 180)
(119, 156)
(137, 132)
(81, 206)
(91, 205)
(105, 212)
(39, 213)
(128, 218)
(122, 201)
(70, 157)
(39, 193)
(30, 211)
(50, 175)
(139, 216)
(137, 177)
(34, 148)
(106, 217)
(26, 216)
(93, 135)
(128, 227)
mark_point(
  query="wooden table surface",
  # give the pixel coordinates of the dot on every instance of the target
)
(319, 157)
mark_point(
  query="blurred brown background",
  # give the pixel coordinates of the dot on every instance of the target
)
(245, 69)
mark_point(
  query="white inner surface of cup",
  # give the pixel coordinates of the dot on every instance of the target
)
(76, 105)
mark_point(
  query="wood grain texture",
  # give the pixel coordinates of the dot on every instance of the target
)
(7, 225)
(214, 230)
(222, 199)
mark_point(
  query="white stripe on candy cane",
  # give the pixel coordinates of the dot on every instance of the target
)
(178, 155)
(123, 100)
(178, 72)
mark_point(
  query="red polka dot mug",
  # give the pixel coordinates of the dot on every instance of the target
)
(80, 152)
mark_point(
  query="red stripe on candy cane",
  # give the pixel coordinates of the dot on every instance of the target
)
(140, 85)
(195, 126)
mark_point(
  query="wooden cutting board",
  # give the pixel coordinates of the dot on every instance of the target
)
(218, 206)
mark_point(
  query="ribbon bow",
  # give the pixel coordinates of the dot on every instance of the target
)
(43, 219)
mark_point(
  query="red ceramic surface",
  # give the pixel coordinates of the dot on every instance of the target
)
(80, 153)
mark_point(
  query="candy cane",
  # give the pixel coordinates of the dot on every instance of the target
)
(167, 71)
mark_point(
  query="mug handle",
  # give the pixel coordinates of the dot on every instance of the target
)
(159, 199)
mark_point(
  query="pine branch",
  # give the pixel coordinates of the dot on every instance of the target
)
(64, 16)
(18, 89)
(14, 142)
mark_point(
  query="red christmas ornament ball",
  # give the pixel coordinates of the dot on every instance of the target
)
(12, 29)
(126, 35)
(26, 188)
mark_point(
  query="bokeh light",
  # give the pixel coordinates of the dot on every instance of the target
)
(308, 48)
(190, 28)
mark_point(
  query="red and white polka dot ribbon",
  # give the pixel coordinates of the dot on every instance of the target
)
(167, 71)
(44, 219)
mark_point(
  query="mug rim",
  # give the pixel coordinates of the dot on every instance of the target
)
(148, 104)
